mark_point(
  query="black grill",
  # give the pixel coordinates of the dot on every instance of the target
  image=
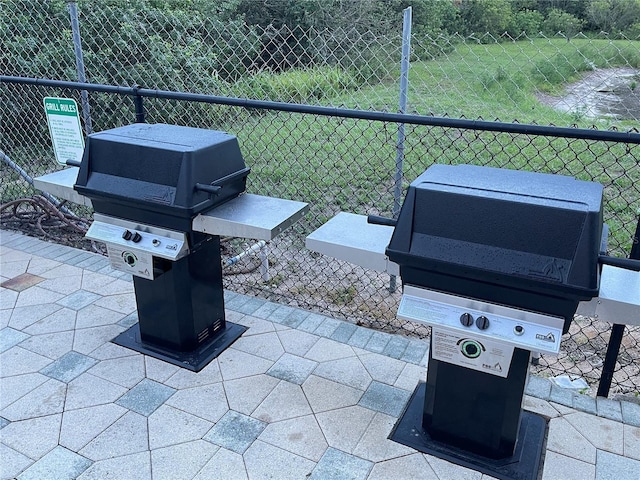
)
(516, 238)
(496, 262)
(146, 184)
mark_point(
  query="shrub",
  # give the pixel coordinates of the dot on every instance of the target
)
(559, 21)
(481, 17)
(527, 22)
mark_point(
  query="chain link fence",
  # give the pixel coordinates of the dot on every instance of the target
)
(335, 163)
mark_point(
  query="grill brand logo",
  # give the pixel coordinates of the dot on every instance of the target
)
(497, 367)
(161, 195)
(172, 246)
(552, 271)
(549, 337)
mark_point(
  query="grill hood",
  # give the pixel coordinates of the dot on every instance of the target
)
(149, 172)
(521, 238)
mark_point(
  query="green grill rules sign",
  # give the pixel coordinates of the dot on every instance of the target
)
(64, 127)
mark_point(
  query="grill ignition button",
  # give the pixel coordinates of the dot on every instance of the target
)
(129, 258)
(471, 349)
(518, 329)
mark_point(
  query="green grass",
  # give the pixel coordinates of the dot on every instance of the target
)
(298, 86)
(501, 81)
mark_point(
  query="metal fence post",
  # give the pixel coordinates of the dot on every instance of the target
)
(77, 48)
(138, 104)
(404, 87)
(617, 333)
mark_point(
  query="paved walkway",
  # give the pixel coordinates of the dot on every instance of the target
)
(299, 396)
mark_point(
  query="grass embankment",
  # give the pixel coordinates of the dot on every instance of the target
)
(341, 164)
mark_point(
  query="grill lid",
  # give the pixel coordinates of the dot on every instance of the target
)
(173, 170)
(532, 231)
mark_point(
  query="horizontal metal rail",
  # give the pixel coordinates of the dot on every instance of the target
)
(492, 126)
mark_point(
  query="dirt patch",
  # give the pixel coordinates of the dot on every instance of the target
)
(602, 93)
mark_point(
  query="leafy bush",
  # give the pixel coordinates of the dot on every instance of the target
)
(527, 22)
(613, 16)
(482, 17)
(164, 48)
(559, 21)
(365, 55)
(633, 32)
(429, 47)
(37, 40)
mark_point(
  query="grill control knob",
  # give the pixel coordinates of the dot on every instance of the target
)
(482, 322)
(136, 237)
(127, 235)
(466, 319)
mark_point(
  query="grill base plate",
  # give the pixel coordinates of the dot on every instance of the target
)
(522, 465)
(194, 360)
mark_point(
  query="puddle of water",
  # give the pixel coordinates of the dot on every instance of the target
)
(609, 93)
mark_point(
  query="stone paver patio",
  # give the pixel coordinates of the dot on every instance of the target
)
(298, 396)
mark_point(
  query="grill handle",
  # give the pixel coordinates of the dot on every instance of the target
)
(626, 263)
(377, 220)
(214, 187)
(210, 189)
(73, 163)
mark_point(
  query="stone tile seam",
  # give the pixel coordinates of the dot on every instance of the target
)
(329, 336)
(315, 417)
(59, 445)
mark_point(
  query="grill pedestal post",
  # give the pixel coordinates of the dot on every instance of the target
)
(181, 316)
(475, 419)
(524, 464)
(184, 305)
(473, 410)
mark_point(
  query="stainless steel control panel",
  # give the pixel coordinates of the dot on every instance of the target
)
(482, 320)
(131, 246)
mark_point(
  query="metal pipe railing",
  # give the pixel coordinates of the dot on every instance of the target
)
(483, 125)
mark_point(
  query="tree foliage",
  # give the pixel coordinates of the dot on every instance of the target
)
(614, 16)
(267, 48)
(560, 22)
(491, 17)
(197, 44)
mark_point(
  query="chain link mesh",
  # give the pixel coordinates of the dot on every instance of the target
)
(339, 164)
